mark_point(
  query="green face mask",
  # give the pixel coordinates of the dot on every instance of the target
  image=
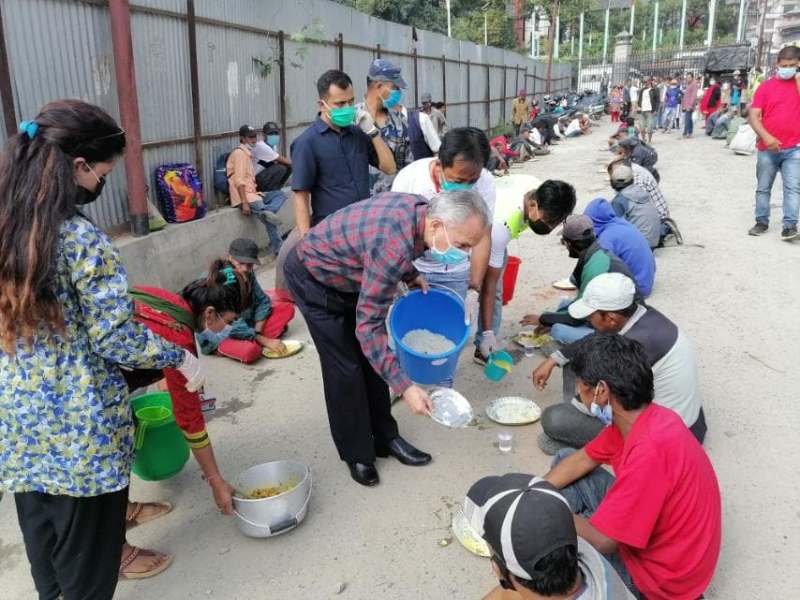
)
(343, 116)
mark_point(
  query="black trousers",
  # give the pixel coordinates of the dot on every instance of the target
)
(272, 177)
(74, 545)
(357, 398)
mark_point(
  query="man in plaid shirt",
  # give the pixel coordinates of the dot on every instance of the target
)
(344, 276)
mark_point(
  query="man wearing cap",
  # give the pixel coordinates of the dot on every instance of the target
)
(520, 109)
(632, 202)
(272, 170)
(660, 512)
(437, 117)
(632, 149)
(382, 102)
(609, 305)
(344, 276)
(242, 187)
(578, 237)
(536, 552)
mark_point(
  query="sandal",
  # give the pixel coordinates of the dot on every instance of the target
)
(164, 561)
(136, 518)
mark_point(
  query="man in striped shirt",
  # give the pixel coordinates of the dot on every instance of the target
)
(344, 276)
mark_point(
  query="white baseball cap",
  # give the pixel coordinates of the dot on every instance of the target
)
(609, 291)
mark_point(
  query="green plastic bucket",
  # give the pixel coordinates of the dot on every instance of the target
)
(161, 450)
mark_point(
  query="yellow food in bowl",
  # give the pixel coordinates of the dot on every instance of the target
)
(272, 490)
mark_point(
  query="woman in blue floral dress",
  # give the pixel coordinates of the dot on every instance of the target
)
(66, 323)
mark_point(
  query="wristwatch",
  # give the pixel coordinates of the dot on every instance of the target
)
(374, 133)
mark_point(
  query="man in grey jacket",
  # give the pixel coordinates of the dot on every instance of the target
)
(633, 203)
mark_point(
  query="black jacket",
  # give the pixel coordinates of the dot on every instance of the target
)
(655, 97)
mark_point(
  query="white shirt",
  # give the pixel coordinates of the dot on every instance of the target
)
(262, 151)
(429, 132)
(536, 137)
(634, 93)
(416, 179)
(574, 125)
(647, 106)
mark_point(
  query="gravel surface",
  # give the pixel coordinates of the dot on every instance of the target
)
(732, 295)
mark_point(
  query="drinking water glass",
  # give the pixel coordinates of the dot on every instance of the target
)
(505, 441)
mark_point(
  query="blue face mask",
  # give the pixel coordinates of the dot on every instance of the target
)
(214, 338)
(451, 256)
(604, 413)
(393, 99)
(273, 140)
(786, 72)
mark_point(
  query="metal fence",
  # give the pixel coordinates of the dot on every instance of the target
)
(205, 67)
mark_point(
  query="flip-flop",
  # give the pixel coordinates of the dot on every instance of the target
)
(292, 348)
(135, 553)
(134, 519)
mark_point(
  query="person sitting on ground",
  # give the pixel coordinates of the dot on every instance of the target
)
(272, 169)
(634, 150)
(713, 118)
(560, 128)
(496, 164)
(610, 308)
(538, 137)
(659, 515)
(262, 320)
(578, 237)
(500, 143)
(574, 128)
(720, 131)
(536, 551)
(623, 239)
(632, 202)
(243, 192)
(542, 209)
(206, 305)
(739, 119)
(522, 145)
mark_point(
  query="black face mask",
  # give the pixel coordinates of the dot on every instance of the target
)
(540, 227)
(86, 196)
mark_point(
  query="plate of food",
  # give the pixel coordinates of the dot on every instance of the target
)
(292, 348)
(530, 339)
(468, 536)
(450, 408)
(513, 410)
(564, 284)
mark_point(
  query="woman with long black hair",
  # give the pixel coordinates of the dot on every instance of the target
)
(66, 324)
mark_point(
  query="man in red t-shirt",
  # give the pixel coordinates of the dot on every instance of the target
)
(661, 513)
(775, 117)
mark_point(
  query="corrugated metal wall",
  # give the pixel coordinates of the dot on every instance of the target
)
(62, 48)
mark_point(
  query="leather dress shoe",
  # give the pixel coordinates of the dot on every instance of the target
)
(365, 474)
(404, 452)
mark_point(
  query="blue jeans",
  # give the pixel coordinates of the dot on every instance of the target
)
(497, 312)
(767, 167)
(688, 122)
(668, 120)
(584, 497)
(270, 202)
(457, 282)
(566, 334)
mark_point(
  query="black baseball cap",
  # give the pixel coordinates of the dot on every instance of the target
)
(246, 131)
(523, 519)
(270, 127)
(244, 250)
(577, 228)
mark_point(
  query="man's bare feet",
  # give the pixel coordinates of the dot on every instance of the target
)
(138, 563)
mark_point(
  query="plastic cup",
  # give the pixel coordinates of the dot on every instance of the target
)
(505, 441)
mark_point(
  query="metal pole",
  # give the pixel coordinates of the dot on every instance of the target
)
(557, 38)
(760, 50)
(195, 86)
(712, 16)
(449, 30)
(580, 47)
(416, 81)
(605, 35)
(6, 91)
(505, 92)
(488, 98)
(468, 105)
(125, 71)
(655, 28)
(740, 24)
(378, 50)
(282, 88)
(485, 28)
(683, 25)
(633, 16)
(553, 49)
(444, 83)
(340, 51)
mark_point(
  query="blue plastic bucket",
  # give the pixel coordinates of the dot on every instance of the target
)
(438, 311)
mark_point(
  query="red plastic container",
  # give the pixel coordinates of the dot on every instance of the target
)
(510, 278)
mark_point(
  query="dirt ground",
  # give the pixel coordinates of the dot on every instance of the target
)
(731, 294)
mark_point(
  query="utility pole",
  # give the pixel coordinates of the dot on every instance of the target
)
(712, 15)
(552, 38)
(605, 35)
(740, 24)
(449, 30)
(580, 48)
(683, 25)
(633, 16)
(558, 33)
(760, 50)
(655, 28)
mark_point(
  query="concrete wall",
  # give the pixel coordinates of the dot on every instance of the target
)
(178, 254)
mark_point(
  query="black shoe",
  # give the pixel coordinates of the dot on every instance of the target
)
(364, 474)
(758, 228)
(479, 358)
(789, 234)
(404, 452)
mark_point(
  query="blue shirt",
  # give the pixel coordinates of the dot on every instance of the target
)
(333, 166)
